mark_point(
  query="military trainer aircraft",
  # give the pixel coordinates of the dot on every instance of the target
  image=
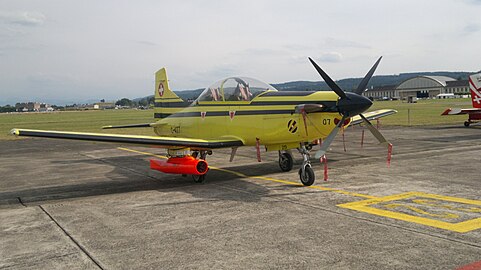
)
(239, 111)
(474, 114)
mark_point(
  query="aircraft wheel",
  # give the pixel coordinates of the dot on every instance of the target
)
(198, 178)
(286, 162)
(466, 124)
(308, 177)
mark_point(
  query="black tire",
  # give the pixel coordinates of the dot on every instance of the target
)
(286, 162)
(198, 178)
(466, 124)
(309, 177)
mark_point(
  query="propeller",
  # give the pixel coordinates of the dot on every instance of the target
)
(330, 138)
(349, 105)
(363, 84)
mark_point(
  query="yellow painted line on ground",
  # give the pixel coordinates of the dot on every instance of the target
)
(460, 227)
(364, 206)
(263, 177)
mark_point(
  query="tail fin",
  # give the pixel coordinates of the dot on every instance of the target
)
(166, 101)
(475, 87)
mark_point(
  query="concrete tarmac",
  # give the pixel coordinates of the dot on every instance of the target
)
(85, 205)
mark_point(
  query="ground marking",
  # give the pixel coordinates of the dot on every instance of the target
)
(385, 206)
(425, 204)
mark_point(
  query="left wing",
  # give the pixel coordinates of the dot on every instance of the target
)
(166, 142)
(457, 111)
(356, 120)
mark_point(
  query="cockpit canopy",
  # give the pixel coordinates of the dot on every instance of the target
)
(235, 89)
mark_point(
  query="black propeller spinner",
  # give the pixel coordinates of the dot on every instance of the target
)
(349, 104)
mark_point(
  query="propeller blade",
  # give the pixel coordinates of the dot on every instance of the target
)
(375, 131)
(362, 86)
(329, 81)
(330, 138)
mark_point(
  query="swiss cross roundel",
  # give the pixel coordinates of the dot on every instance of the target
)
(161, 89)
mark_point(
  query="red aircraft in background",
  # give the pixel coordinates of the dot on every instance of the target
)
(475, 112)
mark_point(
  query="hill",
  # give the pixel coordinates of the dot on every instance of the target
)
(346, 84)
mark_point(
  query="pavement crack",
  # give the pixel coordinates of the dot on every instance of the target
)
(83, 249)
(21, 202)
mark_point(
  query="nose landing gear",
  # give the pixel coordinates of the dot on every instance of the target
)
(306, 174)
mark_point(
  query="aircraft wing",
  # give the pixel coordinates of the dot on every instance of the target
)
(356, 120)
(457, 111)
(165, 142)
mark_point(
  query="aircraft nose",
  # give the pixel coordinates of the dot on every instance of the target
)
(354, 104)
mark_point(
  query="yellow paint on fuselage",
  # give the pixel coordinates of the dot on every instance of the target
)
(272, 129)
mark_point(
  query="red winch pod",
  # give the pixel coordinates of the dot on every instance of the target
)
(180, 165)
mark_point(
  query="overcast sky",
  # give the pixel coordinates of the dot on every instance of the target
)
(69, 51)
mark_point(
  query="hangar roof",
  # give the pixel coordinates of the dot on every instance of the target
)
(425, 82)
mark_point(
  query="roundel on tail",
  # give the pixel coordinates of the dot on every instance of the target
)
(161, 89)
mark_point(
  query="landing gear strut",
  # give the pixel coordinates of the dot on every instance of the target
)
(286, 162)
(306, 174)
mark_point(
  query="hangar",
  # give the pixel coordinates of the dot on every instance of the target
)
(420, 87)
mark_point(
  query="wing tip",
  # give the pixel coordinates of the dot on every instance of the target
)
(15, 131)
(446, 112)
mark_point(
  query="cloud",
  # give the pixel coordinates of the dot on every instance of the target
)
(146, 43)
(333, 42)
(331, 57)
(471, 28)
(26, 18)
(474, 2)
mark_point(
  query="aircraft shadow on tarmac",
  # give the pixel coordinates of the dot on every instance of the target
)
(138, 177)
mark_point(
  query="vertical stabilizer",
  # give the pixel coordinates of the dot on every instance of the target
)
(475, 87)
(166, 101)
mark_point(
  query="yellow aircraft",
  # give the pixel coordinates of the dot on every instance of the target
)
(239, 111)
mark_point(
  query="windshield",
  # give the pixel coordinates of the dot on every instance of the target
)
(234, 89)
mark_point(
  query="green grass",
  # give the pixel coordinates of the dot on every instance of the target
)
(425, 112)
(87, 121)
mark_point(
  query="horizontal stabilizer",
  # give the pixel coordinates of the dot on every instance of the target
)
(356, 120)
(457, 111)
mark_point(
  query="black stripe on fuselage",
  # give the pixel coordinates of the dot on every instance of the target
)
(287, 93)
(227, 113)
(326, 104)
(180, 104)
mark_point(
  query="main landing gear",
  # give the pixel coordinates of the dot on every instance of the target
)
(306, 174)
(286, 162)
(200, 155)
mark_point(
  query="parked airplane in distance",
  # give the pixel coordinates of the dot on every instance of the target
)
(475, 112)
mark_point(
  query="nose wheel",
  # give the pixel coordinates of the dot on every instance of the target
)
(306, 174)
